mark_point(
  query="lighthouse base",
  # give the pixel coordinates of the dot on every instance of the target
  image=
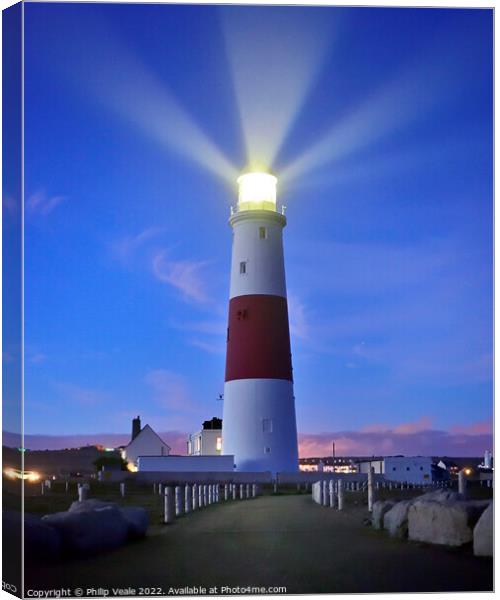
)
(259, 426)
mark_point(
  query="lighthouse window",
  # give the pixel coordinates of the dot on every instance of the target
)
(263, 233)
(267, 425)
(267, 450)
(243, 268)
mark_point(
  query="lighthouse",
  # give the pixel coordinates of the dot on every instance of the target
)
(259, 426)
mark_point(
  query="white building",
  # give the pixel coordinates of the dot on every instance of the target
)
(207, 441)
(186, 464)
(410, 469)
(145, 443)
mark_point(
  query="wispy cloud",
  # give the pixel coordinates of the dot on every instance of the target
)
(299, 326)
(408, 439)
(170, 389)
(40, 203)
(86, 396)
(183, 275)
(125, 248)
(9, 203)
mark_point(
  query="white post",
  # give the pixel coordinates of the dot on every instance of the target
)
(200, 496)
(43, 490)
(188, 499)
(169, 505)
(154, 488)
(210, 493)
(179, 501)
(462, 483)
(233, 489)
(275, 487)
(254, 490)
(226, 492)
(340, 492)
(194, 492)
(205, 494)
(370, 489)
(242, 491)
(160, 489)
(325, 493)
(82, 493)
(331, 491)
(67, 486)
(248, 491)
(122, 490)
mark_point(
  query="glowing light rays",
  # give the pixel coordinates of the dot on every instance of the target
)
(274, 62)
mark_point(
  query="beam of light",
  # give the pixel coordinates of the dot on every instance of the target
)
(131, 90)
(275, 55)
(382, 113)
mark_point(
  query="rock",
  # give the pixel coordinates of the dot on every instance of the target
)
(396, 519)
(91, 504)
(483, 533)
(137, 520)
(448, 523)
(441, 496)
(136, 517)
(88, 532)
(42, 543)
(380, 507)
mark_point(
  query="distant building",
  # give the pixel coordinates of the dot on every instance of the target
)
(328, 464)
(410, 469)
(208, 441)
(144, 442)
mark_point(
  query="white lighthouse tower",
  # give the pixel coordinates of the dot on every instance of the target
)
(259, 426)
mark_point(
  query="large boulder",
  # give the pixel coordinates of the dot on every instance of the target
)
(380, 507)
(483, 533)
(441, 496)
(91, 504)
(136, 517)
(88, 532)
(396, 519)
(448, 523)
(137, 521)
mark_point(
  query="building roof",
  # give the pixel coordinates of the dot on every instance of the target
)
(140, 433)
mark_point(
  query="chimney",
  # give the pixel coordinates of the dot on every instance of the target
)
(136, 427)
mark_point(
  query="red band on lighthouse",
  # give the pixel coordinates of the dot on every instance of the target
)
(258, 344)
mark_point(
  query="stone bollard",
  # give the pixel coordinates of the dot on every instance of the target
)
(254, 490)
(370, 489)
(83, 492)
(242, 491)
(462, 483)
(331, 493)
(188, 499)
(179, 500)
(340, 494)
(194, 492)
(226, 492)
(324, 485)
(122, 490)
(169, 505)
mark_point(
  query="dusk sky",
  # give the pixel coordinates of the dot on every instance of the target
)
(378, 125)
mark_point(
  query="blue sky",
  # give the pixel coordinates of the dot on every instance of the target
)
(378, 124)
